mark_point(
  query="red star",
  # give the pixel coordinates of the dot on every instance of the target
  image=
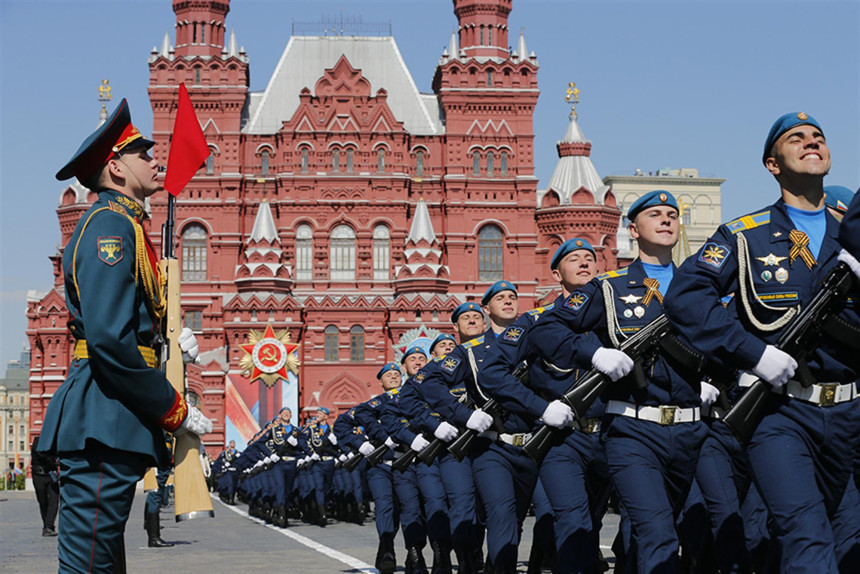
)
(268, 354)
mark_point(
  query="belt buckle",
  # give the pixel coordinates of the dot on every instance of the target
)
(828, 394)
(517, 439)
(667, 415)
(591, 426)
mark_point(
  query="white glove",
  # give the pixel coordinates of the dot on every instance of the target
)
(195, 422)
(479, 421)
(331, 438)
(315, 456)
(300, 463)
(188, 343)
(558, 415)
(275, 457)
(267, 460)
(446, 432)
(850, 261)
(390, 443)
(612, 362)
(292, 441)
(366, 448)
(258, 464)
(342, 458)
(775, 366)
(709, 394)
(350, 455)
(419, 443)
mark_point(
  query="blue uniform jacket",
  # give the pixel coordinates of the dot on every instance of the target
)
(694, 306)
(367, 415)
(849, 231)
(350, 434)
(635, 306)
(395, 422)
(112, 397)
(413, 406)
(313, 439)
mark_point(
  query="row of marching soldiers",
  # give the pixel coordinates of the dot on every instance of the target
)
(631, 385)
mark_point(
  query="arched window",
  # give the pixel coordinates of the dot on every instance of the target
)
(210, 163)
(342, 254)
(381, 253)
(489, 78)
(196, 74)
(264, 162)
(419, 163)
(491, 163)
(305, 159)
(490, 264)
(489, 35)
(304, 253)
(335, 160)
(687, 216)
(504, 167)
(356, 344)
(482, 35)
(476, 163)
(380, 160)
(350, 159)
(331, 344)
(194, 253)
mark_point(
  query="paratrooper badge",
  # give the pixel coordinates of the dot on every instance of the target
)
(713, 254)
(110, 249)
(268, 356)
(450, 363)
(512, 334)
(576, 301)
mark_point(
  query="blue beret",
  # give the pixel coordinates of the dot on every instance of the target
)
(782, 125)
(463, 308)
(114, 135)
(496, 288)
(651, 199)
(568, 246)
(837, 197)
(440, 338)
(285, 409)
(325, 410)
(387, 367)
(411, 351)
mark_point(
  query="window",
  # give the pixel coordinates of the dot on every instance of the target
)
(197, 75)
(489, 78)
(335, 160)
(687, 216)
(489, 36)
(304, 253)
(194, 253)
(419, 163)
(194, 320)
(331, 344)
(202, 33)
(305, 159)
(356, 344)
(210, 163)
(380, 253)
(504, 166)
(490, 253)
(350, 158)
(491, 163)
(482, 36)
(342, 255)
(264, 163)
(380, 160)
(476, 163)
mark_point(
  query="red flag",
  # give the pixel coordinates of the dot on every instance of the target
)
(188, 148)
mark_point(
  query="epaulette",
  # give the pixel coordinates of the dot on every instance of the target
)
(474, 342)
(749, 222)
(116, 208)
(392, 392)
(539, 310)
(614, 273)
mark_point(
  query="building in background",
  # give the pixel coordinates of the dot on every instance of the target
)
(700, 199)
(15, 413)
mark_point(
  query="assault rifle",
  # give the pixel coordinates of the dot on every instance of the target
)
(372, 459)
(799, 339)
(640, 346)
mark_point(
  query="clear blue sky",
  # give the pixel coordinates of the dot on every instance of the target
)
(664, 84)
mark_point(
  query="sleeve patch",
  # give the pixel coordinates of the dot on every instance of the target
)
(450, 364)
(714, 254)
(512, 334)
(576, 301)
(174, 418)
(110, 249)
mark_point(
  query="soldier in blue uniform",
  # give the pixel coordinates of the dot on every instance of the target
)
(287, 451)
(350, 437)
(773, 260)
(226, 474)
(106, 420)
(320, 444)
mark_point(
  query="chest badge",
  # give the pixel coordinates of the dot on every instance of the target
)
(628, 313)
(771, 260)
(781, 274)
(630, 299)
(639, 311)
(766, 275)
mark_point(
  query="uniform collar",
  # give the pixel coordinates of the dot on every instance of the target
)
(131, 207)
(781, 225)
(636, 273)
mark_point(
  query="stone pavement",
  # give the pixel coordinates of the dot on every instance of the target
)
(230, 542)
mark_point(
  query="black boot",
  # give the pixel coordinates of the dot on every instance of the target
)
(153, 531)
(386, 561)
(535, 558)
(441, 558)
(415, 561)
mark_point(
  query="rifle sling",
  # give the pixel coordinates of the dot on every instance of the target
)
(688, 362)
(842, 330)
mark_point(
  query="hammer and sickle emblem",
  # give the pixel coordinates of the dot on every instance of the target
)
(268, 354)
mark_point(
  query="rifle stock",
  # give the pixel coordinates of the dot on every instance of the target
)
(402, 462)
(432, 451)
(352, 463)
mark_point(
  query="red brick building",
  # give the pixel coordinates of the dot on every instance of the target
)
(344, 207)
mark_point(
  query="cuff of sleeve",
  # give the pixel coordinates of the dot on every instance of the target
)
(174, 417)
(585, 352)
(538, 407)
(749, 354)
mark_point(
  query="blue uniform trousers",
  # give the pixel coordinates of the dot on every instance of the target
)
(801, 456)
(652, 467)
(357, 478)
(505, 478)
(694, 530)
(285, 471)
(306, 484)
(96, 493)
(846, 531)
(576, 479)
(323, 471)
(459, 486)
(409, 503)
(543, 532)
(381, 483)
(435, 501)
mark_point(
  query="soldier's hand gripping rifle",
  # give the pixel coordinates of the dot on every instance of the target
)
(799, 339)
(640, 346)
(402, 462)
(372, 459)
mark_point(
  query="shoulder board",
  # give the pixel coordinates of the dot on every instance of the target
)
(439, 358)
(392, 392)
(614, 273)
(749, 222)
(474, 342)
(540, 310)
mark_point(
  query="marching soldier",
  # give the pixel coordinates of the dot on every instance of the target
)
(320, 444)
(350, 436)
(287, 452)
(802, 451)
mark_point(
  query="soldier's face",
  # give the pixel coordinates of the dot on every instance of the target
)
(503, 306)
(390, 380)
(800, 151)
(657, 226)
(443, 348)
(575, 269)
(413, 363)
(140, 171)
(285, 416)
(469, 324)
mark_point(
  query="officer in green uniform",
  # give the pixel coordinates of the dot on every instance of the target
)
(106, 421)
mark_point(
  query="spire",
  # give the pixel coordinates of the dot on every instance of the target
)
(264, 225)
(423, 271)
(522, 51)
(232, 51)
(422, 226)
(165, 45)
(264, 267)
(453, 48)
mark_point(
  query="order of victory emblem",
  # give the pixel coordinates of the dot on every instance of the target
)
(268, 356)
